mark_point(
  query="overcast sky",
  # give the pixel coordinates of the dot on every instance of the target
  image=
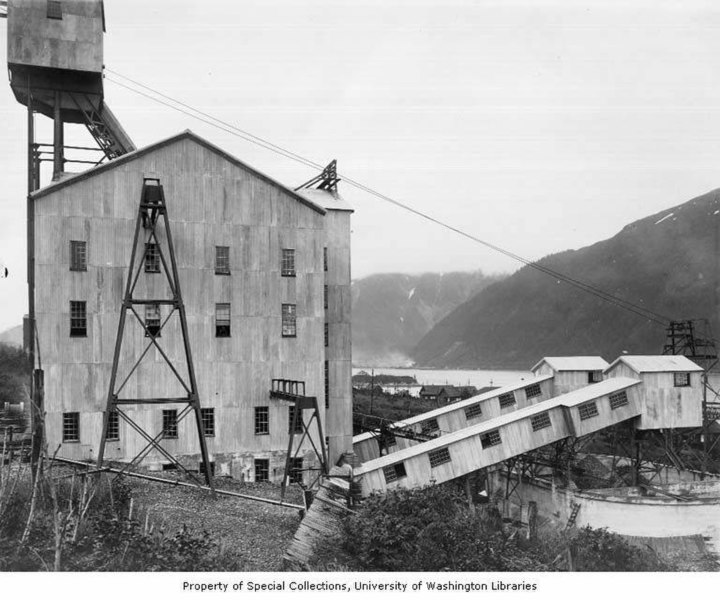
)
(536, 125)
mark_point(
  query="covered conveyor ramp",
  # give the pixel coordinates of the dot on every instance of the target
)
(491, 442)
(455, 417)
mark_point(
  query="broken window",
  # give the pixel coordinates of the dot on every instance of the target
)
(533, 390)
(682, 379)
(152, 320)
(207, 416)
(262, 420)
(395, 472)
(170, 423)
(113, 426)
(439, 457)
(506, 400)
(588, 410)
(152, 258)
(540, 421)
(491, 438)
(262, 469)
(222, 320)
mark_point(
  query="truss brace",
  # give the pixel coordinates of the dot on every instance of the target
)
(153, 227)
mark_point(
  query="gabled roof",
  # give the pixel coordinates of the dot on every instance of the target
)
(431, 389)
(573, 363)
(665, 363)
(185, 135)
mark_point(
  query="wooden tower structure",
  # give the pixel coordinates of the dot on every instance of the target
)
(152, 233)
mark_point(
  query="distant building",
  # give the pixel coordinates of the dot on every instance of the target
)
(672, 389)
(571, 372)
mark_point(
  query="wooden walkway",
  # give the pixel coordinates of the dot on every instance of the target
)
(321, 525)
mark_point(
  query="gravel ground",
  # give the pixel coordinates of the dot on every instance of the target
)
(257, 533)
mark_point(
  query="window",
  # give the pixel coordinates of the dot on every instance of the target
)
(474, 411)
(439, 457)
(429, 427)
(533, 390)
(327, 384)
(296, 470)
(152, 258)
(113, 426)
(327, 334)
(385, 441)
(78, 256)
(325, 297)
(201, 468)
(595, 376)
(152, 320)
(395, 472)
(287, 266)
(54, 9)
(325, 262)
(169, 424)
(222, 320)
(491, 438)
(262, 469)
(506, 400)
(618, 399)
(222, 260)
(71, 427)
(262, 420)
(298, 423)
(682, 379)
(540, 421)
(78, 318)
(207, 416)
(289, 322)
(588, 410)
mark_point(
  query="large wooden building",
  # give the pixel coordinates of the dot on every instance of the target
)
(265, 276)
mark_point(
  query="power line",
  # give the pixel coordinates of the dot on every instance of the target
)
(209, 119)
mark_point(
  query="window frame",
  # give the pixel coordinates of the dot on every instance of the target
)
(595, 376)
(261, 465)
(429, 426)
(78, 255)
(473, 411)
(204, 413)
(532, 391)
(618, 399)
(490, 439)
(394, 472)
(327, 383)
(151, 259)
(288, 323)
(71, 427)
(299, 425)
(223, 325)
(153, 323)
(295, 474)
(54, 10)
(507, 400)
(262, 420)
(222, 260)
(588, 410)
(685, 375)
(540, 421)
(170, 424)
(78, 318)
(113, 427)
(439, 457)
(287, 262)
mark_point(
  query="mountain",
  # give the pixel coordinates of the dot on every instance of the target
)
(12, 336)
(392, 311)
(668, 262)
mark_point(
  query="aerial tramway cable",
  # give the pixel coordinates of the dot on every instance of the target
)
(209, 119)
